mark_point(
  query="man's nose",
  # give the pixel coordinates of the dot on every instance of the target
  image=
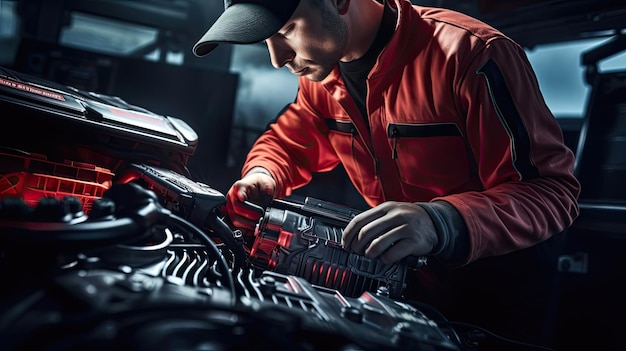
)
(280, 52)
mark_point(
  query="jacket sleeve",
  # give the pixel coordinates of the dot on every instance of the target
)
(293, 147)
(529, 191)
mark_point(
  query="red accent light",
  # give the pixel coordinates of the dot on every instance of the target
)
(321, 272)
(343, 278)
(335, 277)
(264, 249)
(328, 273)
(33, 177)
(273, 259)
(284, 238)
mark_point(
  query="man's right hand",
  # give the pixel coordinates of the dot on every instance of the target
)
(257, 187)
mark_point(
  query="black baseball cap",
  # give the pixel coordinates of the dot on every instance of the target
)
(246, 22)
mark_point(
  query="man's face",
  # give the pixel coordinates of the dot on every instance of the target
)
(311, 43)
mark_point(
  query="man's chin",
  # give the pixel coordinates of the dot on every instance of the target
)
(317, 75)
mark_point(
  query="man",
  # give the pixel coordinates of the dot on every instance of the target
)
(439, 122)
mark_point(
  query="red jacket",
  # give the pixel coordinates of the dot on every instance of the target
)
(455, 114)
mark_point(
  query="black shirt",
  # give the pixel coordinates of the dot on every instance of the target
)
(355, 72)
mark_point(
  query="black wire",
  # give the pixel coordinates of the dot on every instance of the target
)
(226, 234)
(221, 260)
(17, 309)
(433, 313)
(442, 321)
(501, 338)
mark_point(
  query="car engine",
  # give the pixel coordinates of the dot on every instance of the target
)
(107, 243)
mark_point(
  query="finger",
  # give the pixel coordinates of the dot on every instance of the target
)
(247, 210)
(242, 193)
(244, 223)
(240, 217)
(397, 251)
(260, 211)
(383, 242)
(240, 214)
(352, 230)
(373, 231)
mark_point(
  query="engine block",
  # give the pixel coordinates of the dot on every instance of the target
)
(146, 278)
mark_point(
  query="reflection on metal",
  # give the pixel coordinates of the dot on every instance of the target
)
(106, 35)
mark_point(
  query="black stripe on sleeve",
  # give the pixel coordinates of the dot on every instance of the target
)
(510, 119)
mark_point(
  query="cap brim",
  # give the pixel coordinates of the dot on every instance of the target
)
(243, 23)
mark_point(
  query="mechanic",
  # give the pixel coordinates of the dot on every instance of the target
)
(440, 124)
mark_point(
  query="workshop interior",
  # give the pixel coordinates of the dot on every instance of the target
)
(118, 146)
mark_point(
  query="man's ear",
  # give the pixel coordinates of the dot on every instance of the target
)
(342, 6)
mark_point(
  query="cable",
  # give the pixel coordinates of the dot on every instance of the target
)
(443, 321)
(432, 312)
(211, 245)
(501, 338)
(227, 236)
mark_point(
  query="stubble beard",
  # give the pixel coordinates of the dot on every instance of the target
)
(327, 62)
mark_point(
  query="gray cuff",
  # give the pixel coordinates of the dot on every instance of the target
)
(258, 169)
(453, 237)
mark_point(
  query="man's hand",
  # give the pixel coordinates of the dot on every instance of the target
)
(255, 187)
(391, 231)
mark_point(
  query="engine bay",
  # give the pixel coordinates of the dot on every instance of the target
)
(106, 242)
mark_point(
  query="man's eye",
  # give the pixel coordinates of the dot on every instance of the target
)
(288, 30)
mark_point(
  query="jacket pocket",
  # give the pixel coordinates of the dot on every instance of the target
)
(341, 126)
(430, 155)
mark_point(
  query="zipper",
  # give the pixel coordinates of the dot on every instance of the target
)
(395, 134)
(400, 130)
